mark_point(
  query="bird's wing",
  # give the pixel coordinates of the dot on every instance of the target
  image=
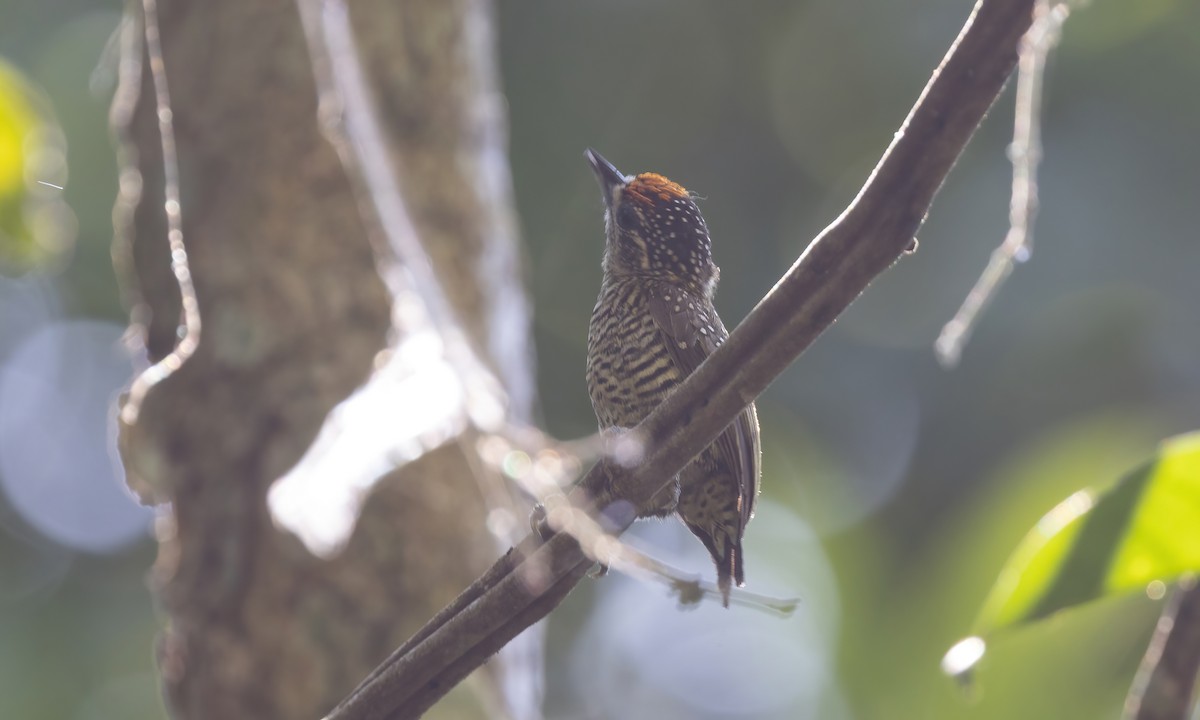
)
(692, 333)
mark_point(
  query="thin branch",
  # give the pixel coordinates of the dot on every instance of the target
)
(1025, 153)
(690, 588)
(1164, 684)
(190, 340)
(863, 242)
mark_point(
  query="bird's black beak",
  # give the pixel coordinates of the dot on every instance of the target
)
(610, 177)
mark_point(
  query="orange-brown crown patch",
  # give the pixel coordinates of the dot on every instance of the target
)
(650, 188)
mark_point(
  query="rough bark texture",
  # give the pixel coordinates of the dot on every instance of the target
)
(294, 314)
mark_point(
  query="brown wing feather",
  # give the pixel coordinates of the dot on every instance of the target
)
(692, 334)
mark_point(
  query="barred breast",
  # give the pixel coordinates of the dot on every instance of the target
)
(629, 367)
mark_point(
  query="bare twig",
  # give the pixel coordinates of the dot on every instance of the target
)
(690, 588)
(1025, 153)
(864, 241)
(1163, 687)
(190, 339)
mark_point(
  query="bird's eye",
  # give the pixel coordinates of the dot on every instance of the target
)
(627, 217)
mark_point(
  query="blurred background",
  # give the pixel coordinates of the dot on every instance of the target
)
(893, 489)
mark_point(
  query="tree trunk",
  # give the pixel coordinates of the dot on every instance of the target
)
(295, 315)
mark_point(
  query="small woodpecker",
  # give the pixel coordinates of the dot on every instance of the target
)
(653, 324)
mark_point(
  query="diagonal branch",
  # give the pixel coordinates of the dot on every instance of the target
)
(866, 239)
(1163, 687)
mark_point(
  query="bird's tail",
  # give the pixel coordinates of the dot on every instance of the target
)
(726, 550)
(729, 568)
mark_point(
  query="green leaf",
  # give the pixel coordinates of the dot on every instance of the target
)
(36, 226)
(1146, 528)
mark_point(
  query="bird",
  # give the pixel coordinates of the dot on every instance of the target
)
(653, 324)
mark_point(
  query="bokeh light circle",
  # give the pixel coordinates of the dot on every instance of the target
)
(56, 466)
(641, 656)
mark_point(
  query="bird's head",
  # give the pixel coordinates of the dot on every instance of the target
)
(653, 229)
